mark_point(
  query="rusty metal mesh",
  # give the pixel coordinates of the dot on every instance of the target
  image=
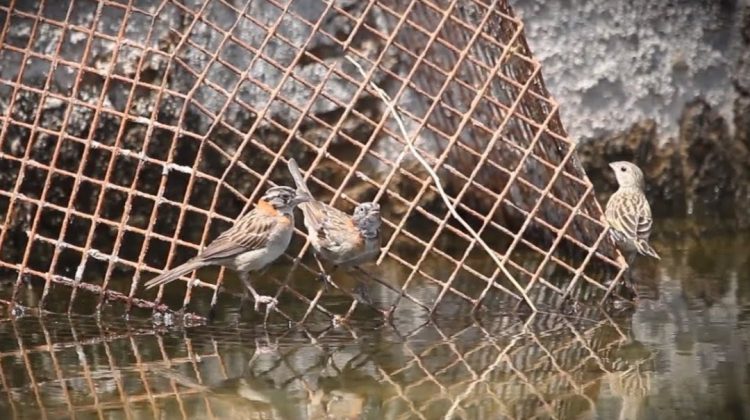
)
(551, 367)
(133, 132)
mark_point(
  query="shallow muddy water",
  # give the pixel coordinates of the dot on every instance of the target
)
(681, 352)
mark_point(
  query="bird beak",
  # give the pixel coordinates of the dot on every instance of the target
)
(374, 209)
(612, 165)
(301, 198)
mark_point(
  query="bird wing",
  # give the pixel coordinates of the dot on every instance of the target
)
(250, 232)
(337, 231)
(629, 214)
(315, 214)
(332, 227)
(645, 221)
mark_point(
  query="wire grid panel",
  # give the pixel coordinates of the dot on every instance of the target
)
(134, 132)
(81, 367)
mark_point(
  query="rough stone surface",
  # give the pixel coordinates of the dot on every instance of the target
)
(629, 86)
(706, 152)
(742, 106)
(741, 76)
(666, 85)
(169, 32)
(612, 64)
(704, 171)
(661, 165)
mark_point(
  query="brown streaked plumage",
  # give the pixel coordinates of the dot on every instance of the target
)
(335, 236)
(254, 241)
(628, 212)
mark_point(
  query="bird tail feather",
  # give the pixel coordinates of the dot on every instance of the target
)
(645, 249)
(299, 181)
(175, 273)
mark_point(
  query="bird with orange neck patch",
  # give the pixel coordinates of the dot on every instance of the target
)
(337, 237)
(252, 243)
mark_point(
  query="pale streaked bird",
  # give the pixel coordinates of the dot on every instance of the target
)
(252, 243)
(335, 236)
(628, 212)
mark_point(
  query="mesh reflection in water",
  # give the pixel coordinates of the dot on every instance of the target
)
(133, 134)
(550, 366)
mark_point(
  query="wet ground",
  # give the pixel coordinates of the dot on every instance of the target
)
(682, 352)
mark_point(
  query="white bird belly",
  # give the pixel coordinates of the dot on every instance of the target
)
(257, 259)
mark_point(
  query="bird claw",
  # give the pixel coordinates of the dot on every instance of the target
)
(326, 279)
(269, 301)
(338, 320)
(363, 293)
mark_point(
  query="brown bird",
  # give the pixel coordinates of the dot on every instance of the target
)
(628, 212)
(256, 239)
(335, 236)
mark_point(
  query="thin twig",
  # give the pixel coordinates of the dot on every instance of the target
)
(408, 140)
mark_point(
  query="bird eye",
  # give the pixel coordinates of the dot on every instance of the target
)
(623, 169)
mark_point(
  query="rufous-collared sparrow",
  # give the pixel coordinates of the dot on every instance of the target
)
(335, 236)
(252, 243)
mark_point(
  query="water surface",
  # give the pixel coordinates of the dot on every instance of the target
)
(681, 352)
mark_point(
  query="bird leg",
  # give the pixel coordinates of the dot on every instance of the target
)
(630, 281)
(270, 301)
(363, 292)
(323, 275)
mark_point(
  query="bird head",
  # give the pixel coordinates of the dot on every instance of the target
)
(284, 199)
(628, 175)
(367, 219)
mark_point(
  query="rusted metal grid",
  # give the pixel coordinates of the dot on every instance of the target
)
(132, 133)
(551, 367)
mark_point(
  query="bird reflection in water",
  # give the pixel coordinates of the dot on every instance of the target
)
(332, 392)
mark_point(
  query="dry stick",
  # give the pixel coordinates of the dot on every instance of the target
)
(408, 140)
